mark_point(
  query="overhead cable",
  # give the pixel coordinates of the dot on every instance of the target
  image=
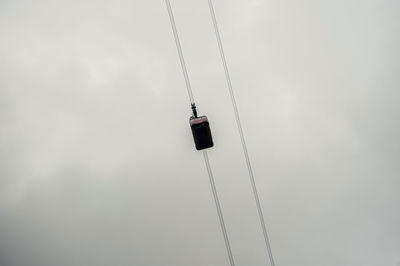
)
(205, 155)
(217, 204)
(179, 48)
(239, 126)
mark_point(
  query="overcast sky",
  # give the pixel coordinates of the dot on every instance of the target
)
(97, 162)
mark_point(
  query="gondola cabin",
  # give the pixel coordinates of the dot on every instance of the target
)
(201, 132)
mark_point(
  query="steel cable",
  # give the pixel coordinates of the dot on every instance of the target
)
(239, 126)
(205, 155)
(179, 48)
(218, 206)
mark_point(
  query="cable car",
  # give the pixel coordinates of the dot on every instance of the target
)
(200, 130)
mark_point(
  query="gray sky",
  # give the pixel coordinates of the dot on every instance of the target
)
(97, 162)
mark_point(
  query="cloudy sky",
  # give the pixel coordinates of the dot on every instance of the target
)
(97, 162)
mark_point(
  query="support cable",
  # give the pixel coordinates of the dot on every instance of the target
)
(217, 204)
(179, 48)
(239, 126)
(205, 155)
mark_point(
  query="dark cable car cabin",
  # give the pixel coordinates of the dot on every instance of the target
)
(200, 130)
